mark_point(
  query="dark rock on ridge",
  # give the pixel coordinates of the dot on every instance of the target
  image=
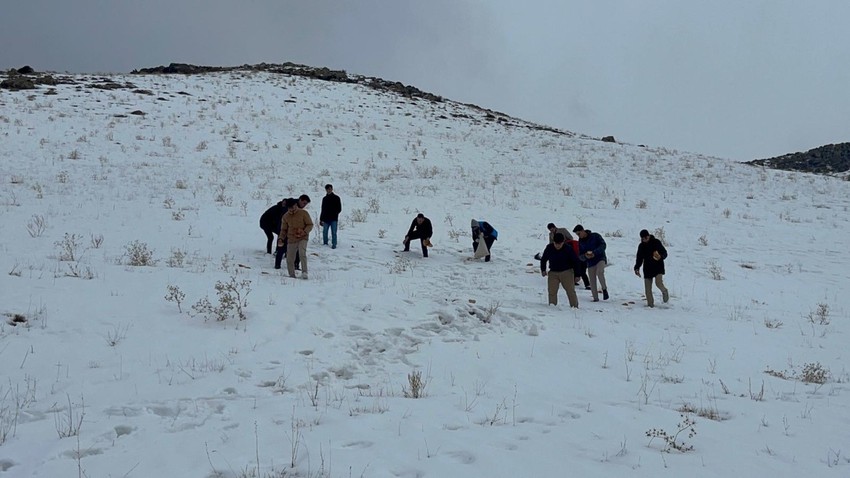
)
(828, 159)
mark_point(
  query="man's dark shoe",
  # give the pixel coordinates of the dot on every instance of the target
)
(587, 287)
(604, 294)
(487, 259)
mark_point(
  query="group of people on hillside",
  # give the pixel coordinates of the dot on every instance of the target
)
(292, 224)
(570, 262)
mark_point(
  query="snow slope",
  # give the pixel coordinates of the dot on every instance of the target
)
(103, 376)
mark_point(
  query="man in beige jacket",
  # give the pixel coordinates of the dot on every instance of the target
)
(295, 229)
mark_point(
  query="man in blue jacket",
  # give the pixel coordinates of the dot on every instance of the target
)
(591, 248)
(489, 233)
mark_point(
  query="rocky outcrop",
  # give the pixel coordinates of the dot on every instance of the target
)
(828, 159)
(17, 82)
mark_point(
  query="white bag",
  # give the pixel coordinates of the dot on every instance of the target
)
(482, 250)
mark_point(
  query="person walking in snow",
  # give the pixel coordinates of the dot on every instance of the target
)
(553, 229)
(592, 252)
(651, 254)
(329, 216)
(294, 232)
(562, 260)
(270, 222)
(420, 228)
(483, 237)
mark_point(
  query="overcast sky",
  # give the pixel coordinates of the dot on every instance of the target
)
(736, 79)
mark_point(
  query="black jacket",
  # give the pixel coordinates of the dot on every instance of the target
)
(559, 260)
(423, 231)
(331, 207)
(651, 267)
(270, 220)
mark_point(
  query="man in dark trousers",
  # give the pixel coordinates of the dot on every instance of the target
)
(329, 216)
(562, 261)
(483, 229)
(420, 229)
(270, 223)
(651, 253)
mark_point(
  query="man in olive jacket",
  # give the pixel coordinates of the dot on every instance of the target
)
(651, 253)
(295, 230)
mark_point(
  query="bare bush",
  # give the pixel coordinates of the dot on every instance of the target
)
(359, 215)
(671, 440)
(69, 421)
(174, 294)
(138, 254)
(232, 301)
(36, 225)
(96, 241)
(715, 271)
(69, 247)
(819, 316)
(814, 373)
(415, 385)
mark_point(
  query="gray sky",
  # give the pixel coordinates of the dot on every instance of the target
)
(737, 79)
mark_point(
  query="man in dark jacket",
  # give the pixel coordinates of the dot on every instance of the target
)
(592, 252)
(270, 223)
(420, 229)
(489, 233)
(331, 207)
(651, 253)
(562, 260)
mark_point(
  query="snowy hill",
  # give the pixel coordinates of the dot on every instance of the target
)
(122, 208)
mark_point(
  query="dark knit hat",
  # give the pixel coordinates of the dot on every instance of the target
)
(578, 228)
(558, 238)
(550, 225)
(644, 233)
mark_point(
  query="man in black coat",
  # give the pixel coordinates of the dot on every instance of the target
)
(651, 253)
(270, 223)
(328, 218)
(420, 229)
(562, 261)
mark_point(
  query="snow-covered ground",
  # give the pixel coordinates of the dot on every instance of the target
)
(102, 375)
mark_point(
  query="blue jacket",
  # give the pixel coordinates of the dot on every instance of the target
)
(592, 242)
(488, 230)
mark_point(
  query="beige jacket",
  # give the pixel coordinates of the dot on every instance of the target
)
(296, 225)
